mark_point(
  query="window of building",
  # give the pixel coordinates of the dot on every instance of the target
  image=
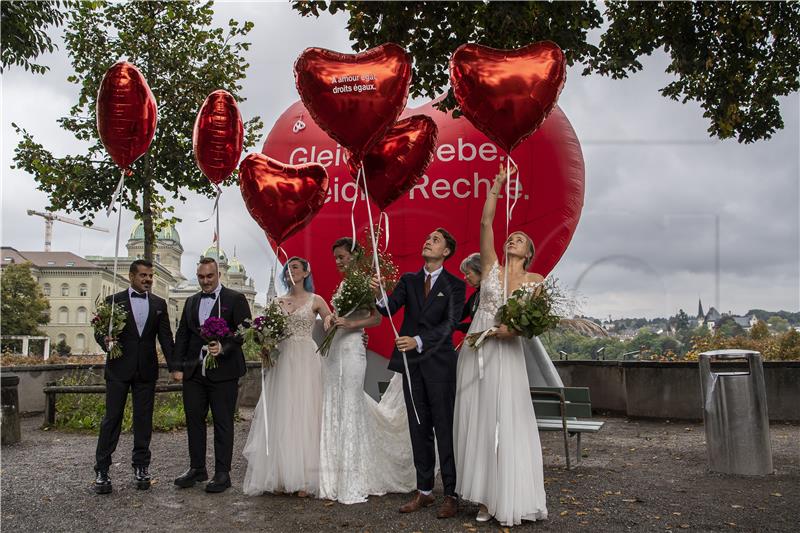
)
(51, 263)
(84, 290)
(80, 342)
(63, 315)
(46, 289)
(70, 263)
(62, 337)
(64, 290)
(81, 315)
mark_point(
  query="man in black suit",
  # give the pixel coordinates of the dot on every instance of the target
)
(433, 299)
(136, 369)
(215, 387)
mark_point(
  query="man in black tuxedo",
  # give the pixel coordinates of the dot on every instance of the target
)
(433, 299)
(215, 387)
(136, 369)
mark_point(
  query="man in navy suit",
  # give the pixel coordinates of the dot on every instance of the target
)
(135, 370)
(433, 300)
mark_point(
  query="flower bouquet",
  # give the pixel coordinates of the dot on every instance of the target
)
(262, 336)
(214, 329)
(355, 293)
(532, 309)
(102, 317)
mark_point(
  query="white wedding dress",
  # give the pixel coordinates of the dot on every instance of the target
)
(496, 440)
(294, 400)
(365, 447)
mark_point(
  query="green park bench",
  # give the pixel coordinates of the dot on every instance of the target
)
(52, 389)
(559, 408)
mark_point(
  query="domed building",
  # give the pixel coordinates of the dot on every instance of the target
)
(168, 252)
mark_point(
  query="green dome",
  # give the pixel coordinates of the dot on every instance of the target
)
(234, 266)
(168, 233)
(211, 252)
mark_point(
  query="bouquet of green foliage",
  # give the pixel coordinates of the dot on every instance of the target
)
(102, 316)
(354, 293)
(532, 309)
(262, 336)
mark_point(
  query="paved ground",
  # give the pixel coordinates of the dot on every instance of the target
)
(637, 476)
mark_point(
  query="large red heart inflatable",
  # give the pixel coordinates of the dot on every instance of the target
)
(281, 198)
(218, 136)
(507, 94)
(396, 162)
(126, 113)
(355, 98)
(450, 194)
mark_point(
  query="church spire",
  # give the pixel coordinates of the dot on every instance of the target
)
(700, 313)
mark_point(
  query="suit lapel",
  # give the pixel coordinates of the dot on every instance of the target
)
(418, 287)
(151, 313)
(194, 310)
(122, 299)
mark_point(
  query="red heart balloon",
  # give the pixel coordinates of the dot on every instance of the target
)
(355, 98)
(218, 136)
(126, 113)
(396, 162)
(507, 94)
(282, 198)
(450, 193)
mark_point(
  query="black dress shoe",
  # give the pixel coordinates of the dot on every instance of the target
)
(142, 477)
(102, 483)
(219, 483)
(190, 477)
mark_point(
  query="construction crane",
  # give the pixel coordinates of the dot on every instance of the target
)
(48, 225)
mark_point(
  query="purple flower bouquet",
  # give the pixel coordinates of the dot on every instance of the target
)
(214, 329)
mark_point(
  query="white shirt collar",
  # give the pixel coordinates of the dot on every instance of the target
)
(435, 273)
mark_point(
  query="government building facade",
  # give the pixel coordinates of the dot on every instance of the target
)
(73, 284)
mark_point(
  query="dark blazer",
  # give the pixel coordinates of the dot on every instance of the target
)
(188, 342)
(469, 311)
(433, 319)
(139, 352)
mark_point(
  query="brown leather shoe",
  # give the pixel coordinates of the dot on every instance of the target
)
(449, 507)
(418, 502)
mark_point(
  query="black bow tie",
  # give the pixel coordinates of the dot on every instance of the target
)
(208, 295)
(135, 294)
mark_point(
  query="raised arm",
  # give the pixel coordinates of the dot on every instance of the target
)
(488, 253)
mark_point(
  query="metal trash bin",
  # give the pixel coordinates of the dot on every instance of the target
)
(9, 419)
(735, 414)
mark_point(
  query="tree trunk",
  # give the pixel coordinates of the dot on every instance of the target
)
(147, 212)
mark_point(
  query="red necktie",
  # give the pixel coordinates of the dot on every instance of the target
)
(427, 285)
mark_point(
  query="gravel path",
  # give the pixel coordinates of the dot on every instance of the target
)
(636, 476)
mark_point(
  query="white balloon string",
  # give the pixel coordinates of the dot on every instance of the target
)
(264, 405)
(384, 216)
(114, 197)
(359, 178)
(385, 298)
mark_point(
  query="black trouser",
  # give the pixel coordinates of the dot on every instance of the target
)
(144, 393)
(435, 402)
(198, 394)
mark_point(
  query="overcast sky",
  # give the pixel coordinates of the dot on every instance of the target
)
(656, 184)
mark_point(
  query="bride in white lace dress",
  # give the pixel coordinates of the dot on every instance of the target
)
(497, 448)
(294, 399)
(365, 447)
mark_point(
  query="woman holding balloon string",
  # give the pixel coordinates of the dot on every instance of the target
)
(365, 445)
(497, 448)
(289, 461)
